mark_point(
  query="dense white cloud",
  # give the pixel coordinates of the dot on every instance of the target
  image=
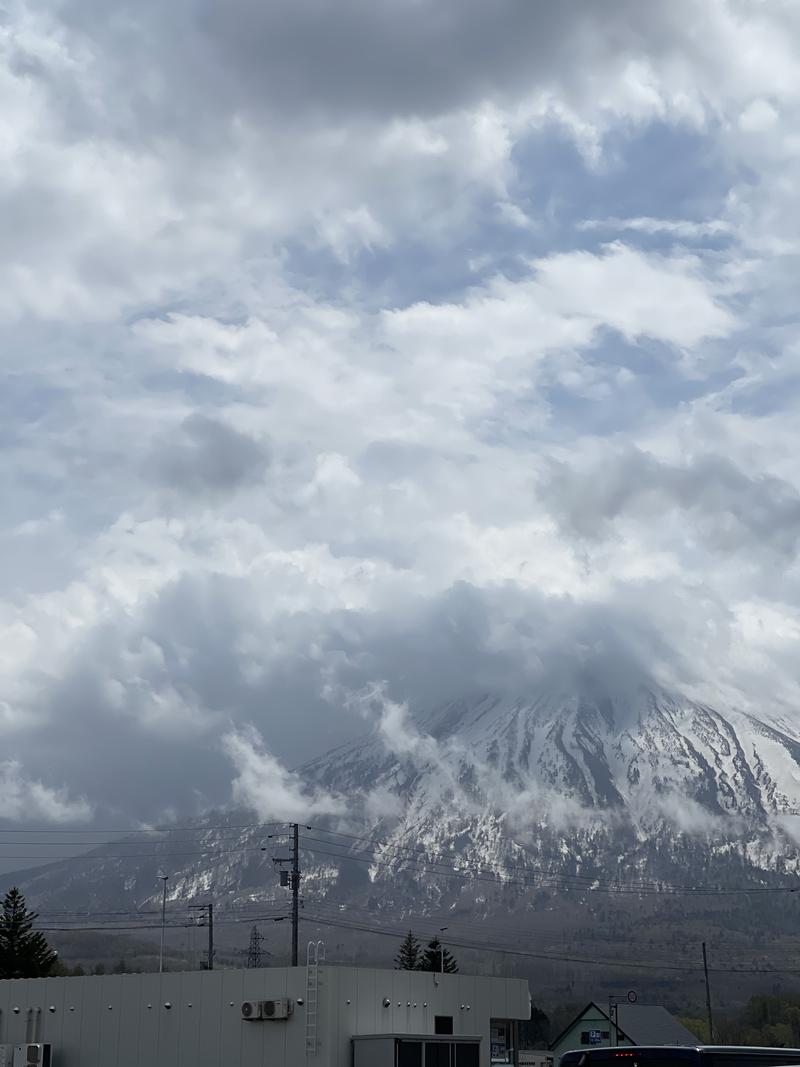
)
(265, 786)
(415, 342)
(23, 798)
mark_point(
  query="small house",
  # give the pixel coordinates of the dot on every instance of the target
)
(637, 1024)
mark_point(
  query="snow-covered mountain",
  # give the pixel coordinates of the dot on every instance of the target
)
(647, 760)
(486, 804)
(642, 786)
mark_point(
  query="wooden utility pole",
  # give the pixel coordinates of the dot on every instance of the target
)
(708, 997)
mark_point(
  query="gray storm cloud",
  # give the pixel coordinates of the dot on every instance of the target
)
(207, 456)
(387, 58)
(436, 343)
(160, 698)
(729, 509)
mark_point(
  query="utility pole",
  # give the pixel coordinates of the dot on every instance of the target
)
(165, 879)
(206, 913)
(613, 1010)
(708, 997)
(211, 937)
(295, 890)
(292, 879)
(441, 948)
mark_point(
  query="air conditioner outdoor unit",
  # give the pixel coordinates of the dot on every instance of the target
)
(32, 1055)
(267, 1009)
(252, 1010)
(276, 1009)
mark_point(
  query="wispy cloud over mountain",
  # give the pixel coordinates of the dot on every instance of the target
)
(413, 342)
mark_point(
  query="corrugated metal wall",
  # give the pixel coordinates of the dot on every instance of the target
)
(123, 1021)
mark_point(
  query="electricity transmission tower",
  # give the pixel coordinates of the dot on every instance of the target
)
(254, 950)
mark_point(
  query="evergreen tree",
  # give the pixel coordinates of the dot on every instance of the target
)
(24, 952)
(409, 955)
(437, 958)
(535, 1032)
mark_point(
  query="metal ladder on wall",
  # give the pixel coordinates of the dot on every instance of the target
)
(315, 957)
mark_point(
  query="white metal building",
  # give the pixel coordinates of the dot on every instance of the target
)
(270, 1017)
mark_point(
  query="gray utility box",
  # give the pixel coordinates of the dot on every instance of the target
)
(416, 1050)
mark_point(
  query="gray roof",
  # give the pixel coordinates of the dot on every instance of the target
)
(650, 1024)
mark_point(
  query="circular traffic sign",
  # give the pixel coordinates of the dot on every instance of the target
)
(632, 997)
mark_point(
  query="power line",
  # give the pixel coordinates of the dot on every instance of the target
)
(251, 910)
(432, 925)
(153, 837)
(201, 828)
(376, 849)
(591, 881)
(482, 925)
(494, 876)
(135, 927)
(146, 913)
(462, 941)
(121, 922)
(422, 864)
(96, 857)
(588, 961)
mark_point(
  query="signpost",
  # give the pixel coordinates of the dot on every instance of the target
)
(613, 1000)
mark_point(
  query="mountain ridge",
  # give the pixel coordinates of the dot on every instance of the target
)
(496, 806)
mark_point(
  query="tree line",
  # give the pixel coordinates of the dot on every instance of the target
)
(433, 957)
(769, 1021)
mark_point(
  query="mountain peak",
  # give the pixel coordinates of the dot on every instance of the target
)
(641, 754)
(483, 800)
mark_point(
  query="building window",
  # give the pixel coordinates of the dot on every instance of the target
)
(467, 1056)
(409, 1054)
(458, 1052)
(443, 1024)
(438, 1054)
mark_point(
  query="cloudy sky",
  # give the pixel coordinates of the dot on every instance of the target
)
(402, 341)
